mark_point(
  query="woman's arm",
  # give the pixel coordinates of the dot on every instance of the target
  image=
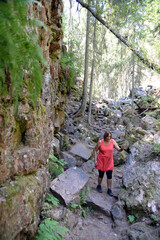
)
(95, 151)
(117, 147)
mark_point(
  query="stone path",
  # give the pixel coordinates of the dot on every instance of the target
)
(98, 223)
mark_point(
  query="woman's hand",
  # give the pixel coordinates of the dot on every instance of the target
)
(123, 146)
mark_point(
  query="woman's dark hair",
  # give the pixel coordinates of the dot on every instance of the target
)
(106, 134)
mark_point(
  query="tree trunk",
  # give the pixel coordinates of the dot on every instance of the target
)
(92, 74)
(133, 84)
(82, 108)
(70, 27)
(139, 54)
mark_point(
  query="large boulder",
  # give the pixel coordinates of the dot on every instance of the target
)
(150, 122)
(82, 151)
(142, 152)
(98, 202)
(71, 161)
(67, 186)
(20, 203)
(140, 190)
(119, 157)
(141, 231)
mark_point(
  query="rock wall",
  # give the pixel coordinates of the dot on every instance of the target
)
(25, 139)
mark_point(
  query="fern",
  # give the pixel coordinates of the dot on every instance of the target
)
(71, 61)
(156, 148)
(83, 197)
(131, 218)
(56, 166)
(20, 52)
(74, 206)
(50, 230)
(52, 199)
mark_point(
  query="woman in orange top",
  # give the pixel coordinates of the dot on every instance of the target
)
(104, 160)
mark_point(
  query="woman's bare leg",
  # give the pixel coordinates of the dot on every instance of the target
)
(109, 183)
(99, 181)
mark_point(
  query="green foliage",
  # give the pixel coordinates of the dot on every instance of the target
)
(154, 218)
(50, 198)
(50, 230)
(65, 144)
(70, 61)
(117, 107)
(83, 197)
(158, 122)
(146, 100)
(20, 54)
(78, 206)
(56, 166)
(156, 148)
(82, 202)
(133, 218)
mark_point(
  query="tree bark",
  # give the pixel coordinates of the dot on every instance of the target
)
(92, 74)
(139, 54)
(82, 108)
(133, 72)
(70, 27)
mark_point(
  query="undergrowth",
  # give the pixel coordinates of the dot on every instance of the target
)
(56, 166)
(50, 230)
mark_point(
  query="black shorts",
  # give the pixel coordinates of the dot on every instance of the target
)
(108, 173)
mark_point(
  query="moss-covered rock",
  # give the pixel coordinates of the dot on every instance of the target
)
(140, 189)
(20, 204)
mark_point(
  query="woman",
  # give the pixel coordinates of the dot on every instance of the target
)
(104, 160)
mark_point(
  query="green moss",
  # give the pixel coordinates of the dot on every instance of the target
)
(94, 137)
(141, 131)
(42, 107)
(132, 139)
(123, 156)
(19, 186)
(156, 148)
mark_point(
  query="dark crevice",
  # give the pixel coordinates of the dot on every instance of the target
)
(23, 140)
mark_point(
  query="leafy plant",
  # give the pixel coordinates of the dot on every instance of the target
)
(78, 206)
(56, 166)
(154, 218)
(52, 199)
(83, 197)
(147, 101)
(131, 218)
(70, 60)
(21, 55)
(156, 148)
(50, 230)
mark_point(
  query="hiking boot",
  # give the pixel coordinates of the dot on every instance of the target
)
(99, 189)
(109, 191)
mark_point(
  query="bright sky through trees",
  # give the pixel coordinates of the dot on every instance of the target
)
(113, 59)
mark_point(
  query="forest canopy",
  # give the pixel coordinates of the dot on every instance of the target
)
(137, 26)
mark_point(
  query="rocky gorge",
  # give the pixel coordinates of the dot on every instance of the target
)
(133, 212)
(27, 139)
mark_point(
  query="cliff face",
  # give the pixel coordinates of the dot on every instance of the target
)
(25, 139)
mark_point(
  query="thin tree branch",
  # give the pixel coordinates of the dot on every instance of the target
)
(139, 54)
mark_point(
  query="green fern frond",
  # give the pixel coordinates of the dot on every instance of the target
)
(52, 199)
(19, 51)
(50, 230)
(71, 61)
(56, 166)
